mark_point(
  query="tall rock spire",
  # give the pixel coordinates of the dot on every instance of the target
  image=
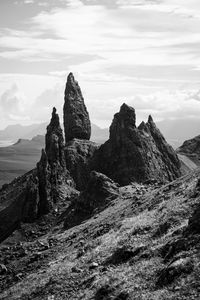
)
(51, 168)
(54, 141)
(76, 117)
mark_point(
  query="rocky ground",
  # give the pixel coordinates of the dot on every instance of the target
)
(138, 247)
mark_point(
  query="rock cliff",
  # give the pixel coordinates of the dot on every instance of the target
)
(51, 169)
(79, 154)
(136, 154)
(38, 191)
(76, 117)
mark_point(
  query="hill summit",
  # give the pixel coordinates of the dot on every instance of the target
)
(130, 155)
(112, 221)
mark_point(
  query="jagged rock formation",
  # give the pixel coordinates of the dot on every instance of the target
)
(36, 193)
(76, 117)
(78, 154)
(136, 154)
(99, 192)
(52, 169)
(54, 142)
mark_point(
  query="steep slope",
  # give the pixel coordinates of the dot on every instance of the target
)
(136, 154)
(191, 149)
(139, 247)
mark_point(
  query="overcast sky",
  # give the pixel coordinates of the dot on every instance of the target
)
(142, 52)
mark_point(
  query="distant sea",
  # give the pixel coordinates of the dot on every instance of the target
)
(5, 143)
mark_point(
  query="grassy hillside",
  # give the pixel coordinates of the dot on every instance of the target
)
(137, 248)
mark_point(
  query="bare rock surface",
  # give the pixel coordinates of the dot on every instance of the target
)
(39, 191)
(136, 154)
(100, 192)
(51, 168)
(78, 155)
(76, 118)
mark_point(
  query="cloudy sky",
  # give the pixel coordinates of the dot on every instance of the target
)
(142, 52)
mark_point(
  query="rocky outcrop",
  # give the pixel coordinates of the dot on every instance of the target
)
(76, 117)
(78, 154)
(52, 168)
(38, 191)
(99, 193)
(136, 154)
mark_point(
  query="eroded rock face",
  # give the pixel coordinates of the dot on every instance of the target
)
(136, 154)
(54, 142)
(78, 154)
(38, 191)
(99, 192)
(76, 117)
(52, 168)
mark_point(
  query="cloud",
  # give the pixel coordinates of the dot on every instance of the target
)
(125, 50)
(13, 104)
(168, 105)
(28, 1)
(42, 106)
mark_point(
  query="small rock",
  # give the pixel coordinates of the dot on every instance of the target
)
(175, 269)
(93, 265)
(76, 270)
(19, 276)
(3, 269)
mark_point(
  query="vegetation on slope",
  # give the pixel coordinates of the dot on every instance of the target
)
(137, 248)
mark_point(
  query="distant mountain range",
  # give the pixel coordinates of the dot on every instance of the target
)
(13, 133)
(177, 131)
(20, 148)
(19, 158)
(17, 131)
(25, 143)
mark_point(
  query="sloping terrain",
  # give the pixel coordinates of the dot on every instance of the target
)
(137, 248)
(191, 149)
(71, 232)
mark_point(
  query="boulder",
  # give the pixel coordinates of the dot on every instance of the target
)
(76, 117)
